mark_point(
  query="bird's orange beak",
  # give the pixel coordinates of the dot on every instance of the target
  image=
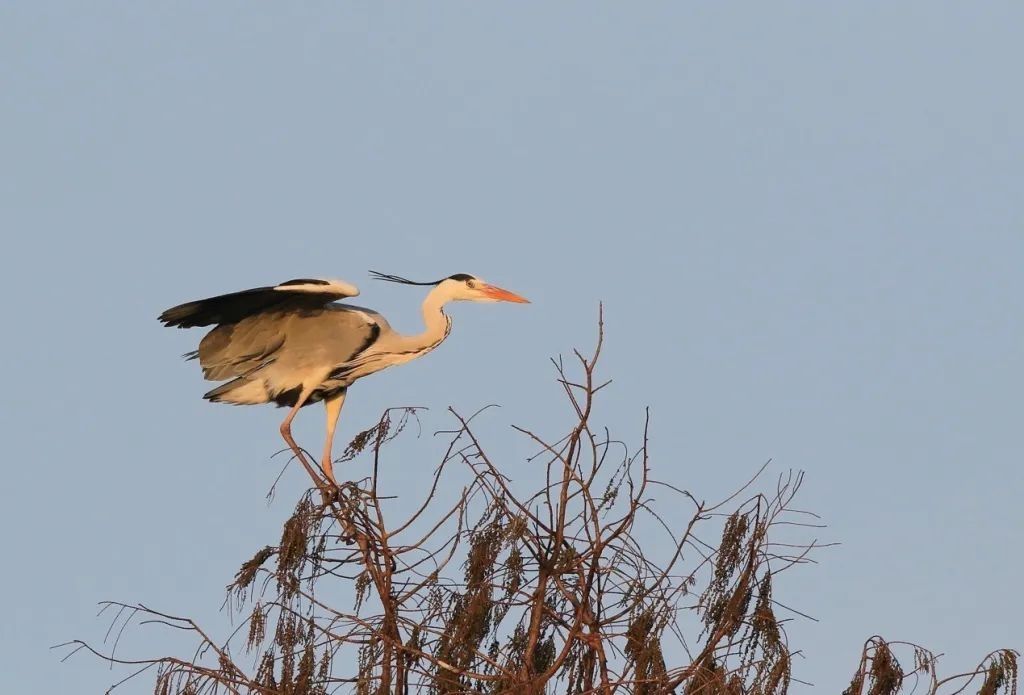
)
(503, 295)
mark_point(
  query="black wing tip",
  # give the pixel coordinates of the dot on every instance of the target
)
(176, 316)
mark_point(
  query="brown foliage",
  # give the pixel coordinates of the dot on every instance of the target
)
(564, 590)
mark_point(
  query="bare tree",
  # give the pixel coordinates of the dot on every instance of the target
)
(579, 587)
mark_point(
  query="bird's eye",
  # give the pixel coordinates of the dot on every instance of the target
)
(471, 284)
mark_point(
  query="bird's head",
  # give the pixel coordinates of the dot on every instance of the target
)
(461, 287)
(469, 288)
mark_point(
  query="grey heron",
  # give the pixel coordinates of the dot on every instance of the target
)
(292, 344)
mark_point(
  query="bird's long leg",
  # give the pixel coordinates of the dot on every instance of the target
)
(286, 433)
(333, 406)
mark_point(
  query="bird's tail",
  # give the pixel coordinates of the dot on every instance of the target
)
(240, 391)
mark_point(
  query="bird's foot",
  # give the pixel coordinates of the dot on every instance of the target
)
(329, 493)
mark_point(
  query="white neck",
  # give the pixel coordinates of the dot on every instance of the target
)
(437, 325)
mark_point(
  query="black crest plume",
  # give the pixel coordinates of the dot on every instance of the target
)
(399, 279)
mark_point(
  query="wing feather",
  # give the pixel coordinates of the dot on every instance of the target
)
(233, 307)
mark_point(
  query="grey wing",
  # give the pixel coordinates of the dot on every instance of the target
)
(240, 349)
(333, 337)
(273, 355)
(316, 344)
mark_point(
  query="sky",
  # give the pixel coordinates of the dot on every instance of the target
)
(805, 222)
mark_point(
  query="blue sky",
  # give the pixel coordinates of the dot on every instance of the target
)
(805, 221)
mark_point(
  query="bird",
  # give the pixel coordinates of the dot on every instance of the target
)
(295, 343)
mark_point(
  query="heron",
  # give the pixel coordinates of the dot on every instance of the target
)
(294, 344)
